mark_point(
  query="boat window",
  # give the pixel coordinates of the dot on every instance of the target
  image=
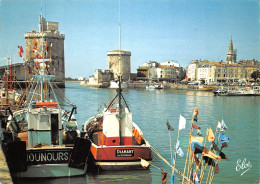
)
(44, 119)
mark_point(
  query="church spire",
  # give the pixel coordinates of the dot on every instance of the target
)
(231, 54)
(230, 49)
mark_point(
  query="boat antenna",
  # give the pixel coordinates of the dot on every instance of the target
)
(119, 90)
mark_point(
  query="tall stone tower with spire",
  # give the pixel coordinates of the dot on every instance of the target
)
(231, 54)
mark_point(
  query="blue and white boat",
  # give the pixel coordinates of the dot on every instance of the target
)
(42, 134)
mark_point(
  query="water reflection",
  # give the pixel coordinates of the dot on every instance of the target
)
(151, 109)
(111, 177)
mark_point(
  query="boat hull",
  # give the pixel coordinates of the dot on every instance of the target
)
(49, 171)
(120, 157)
(242, 94)
(44, 162)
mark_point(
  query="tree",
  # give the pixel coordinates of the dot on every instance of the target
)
(255, 74)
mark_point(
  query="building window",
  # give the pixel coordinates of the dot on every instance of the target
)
(218, 75)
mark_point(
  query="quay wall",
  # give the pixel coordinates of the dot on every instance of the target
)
(5, 176)
(166, 86)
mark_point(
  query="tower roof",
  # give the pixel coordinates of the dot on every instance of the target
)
(230, 48)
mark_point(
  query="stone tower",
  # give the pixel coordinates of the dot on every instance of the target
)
(125, 63)
(231, 54)
(50, 38)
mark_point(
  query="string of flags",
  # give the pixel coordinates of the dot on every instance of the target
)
(198, 156)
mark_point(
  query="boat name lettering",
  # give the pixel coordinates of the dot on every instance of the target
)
(47, 157)
(125, 153)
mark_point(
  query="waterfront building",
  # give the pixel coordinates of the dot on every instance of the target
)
(220, 72)
(125, 63)
(206, 73)
(192, 70)
(52, 42)
(229, 71)
(167, 71)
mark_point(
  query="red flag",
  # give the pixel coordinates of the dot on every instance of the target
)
(21, 51)
(20, 54)
(195, 126)
(21, 48)
(164, 177)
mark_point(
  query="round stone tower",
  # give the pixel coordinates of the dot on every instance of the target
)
(125, 63)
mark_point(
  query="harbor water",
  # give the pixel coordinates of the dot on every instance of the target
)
(151, 110)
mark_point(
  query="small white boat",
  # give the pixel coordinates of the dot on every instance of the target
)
(220, 92)
(246, 91)
(115, 85)
(155, 86)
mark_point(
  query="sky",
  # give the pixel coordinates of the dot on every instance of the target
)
(152, 30)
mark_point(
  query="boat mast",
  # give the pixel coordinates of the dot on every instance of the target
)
(119, 90)
(42, 54)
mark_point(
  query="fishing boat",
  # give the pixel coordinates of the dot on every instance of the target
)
(42, 134)
(10, 98)
(117, 142)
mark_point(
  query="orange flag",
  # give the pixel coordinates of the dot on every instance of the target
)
(211, 136)
(196, 112)
(196, 139)
(209, 154)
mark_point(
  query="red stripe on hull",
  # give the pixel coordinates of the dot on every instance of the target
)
(121, 153)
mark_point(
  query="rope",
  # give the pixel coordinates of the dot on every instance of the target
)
(68, 101)
(159, 155)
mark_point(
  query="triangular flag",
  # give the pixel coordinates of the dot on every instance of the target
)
(223, 126)
(178, 149)
(211, 136)
(214, 147)
(197, 180)
(164, 177)
(182, 122)
(223, 156)
(209, 161)
(169, 126)
(144, 163)
(223, 138)
(209, 154)
(197, 147)
(224, 145)
(195, 112)
(199, 132)
(196, 139)
(219, 125)
(195, 126)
